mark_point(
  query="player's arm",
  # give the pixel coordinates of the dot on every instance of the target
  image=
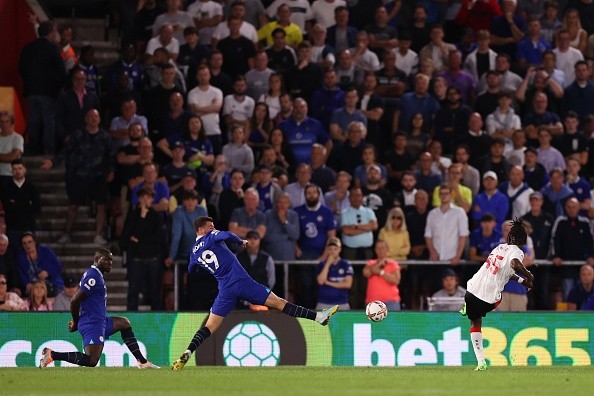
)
(228, 237)
(75, 309)
(527, 275)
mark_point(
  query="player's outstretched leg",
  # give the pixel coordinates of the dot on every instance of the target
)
(212, 324)
(125, 328)
(476, 336)
(322, 317)
(88, 359)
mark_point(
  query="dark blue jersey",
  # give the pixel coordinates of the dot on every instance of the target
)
(211, 254)
(93, 308)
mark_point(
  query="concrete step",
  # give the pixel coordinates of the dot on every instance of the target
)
(51, 236)
(60, 211)
(55, 224)
(40, 175)
(57, 198)
(73, 249)
(50, 186)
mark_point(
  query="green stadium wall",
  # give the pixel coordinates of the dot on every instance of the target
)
(271, 338)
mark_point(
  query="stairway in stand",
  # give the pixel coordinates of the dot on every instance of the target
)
(76, 256)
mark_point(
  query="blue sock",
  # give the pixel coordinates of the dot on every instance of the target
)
(132, 344)
(73, 357)
(199, 338)
(299, 311)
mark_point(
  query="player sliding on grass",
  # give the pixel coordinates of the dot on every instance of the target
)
(211, 253)
(89, 317)
(483, 292)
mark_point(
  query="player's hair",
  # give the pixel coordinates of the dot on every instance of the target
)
(201, 221)
(102, 252)
(517, 234)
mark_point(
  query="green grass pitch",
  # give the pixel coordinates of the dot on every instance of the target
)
(280, 381)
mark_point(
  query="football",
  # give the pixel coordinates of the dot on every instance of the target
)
(376, 311)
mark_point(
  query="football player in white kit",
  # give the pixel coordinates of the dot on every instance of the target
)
(483, 292)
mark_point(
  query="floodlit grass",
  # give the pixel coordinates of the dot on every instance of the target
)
(282, 381)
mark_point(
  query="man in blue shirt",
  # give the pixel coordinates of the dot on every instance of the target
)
(302, 131)
(212, 254)
(491, 200)
(530, 50)
(89, 317)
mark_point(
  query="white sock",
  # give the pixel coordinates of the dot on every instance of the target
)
(318, 316)
(477, 345)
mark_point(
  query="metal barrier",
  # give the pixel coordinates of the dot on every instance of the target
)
(286, 264)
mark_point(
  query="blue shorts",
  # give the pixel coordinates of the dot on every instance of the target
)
(245, 289)
(96, 334)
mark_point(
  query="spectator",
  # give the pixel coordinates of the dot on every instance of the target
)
(419, 29)
(482, 59)
(144, 20)
(540, 117)
(321, 174)
(363, 57)
(305, 77)
(161, 194)
(447, 231)
(536, 175)
(548, 155)
(218, 78)
(121, 90)
(280, 104)
(268, 190)
(193, 52)
(38, 263)
(43, 73)
(417, 220)
(573, 143)
(257, 263)
(206, 101)
(571, 241)
(398, 160)
(341, 35)
(338, 198)
(119, 126)
(491, 200)
(582, 291)
(281, 56)
(238, 10)
(371, 106)
(357, 225)
(503, 122)
(573, 21)
(62, 300)
(508, 80)
(38, 298)
(89, 168)
(301, 131)
(542, 223)
(324, 11)
(369, 157)
(567, 56)
(459, 78)
(174, 122)
(459, 195)
(489, 89)
(495, 160)
(322, 53)
(11, 145)
(508, 29)
(515, 156)
(283, 21)
(517, 193)
(260, 127)
(418, 101)
(188, 183)
(66, 34)
(556, 193)
(129, 64)
(579, 186)
(231, 198)
(344, 116)
(451, 121)
(238, 50)
(549, 62)
(530, 49)
(316, 227)
(334, 277)
(550, 25)
(427, 178)
(395, 234)
(10, 301)
(258, 80)
(375, 196)
(300, 11)
(141, 239)
(470, 175)
(240, 155)
(405, 198)
(282, 229)
(347, 156)
(87, 65)
(484, 239)
(73, 105)
(8, 265)
(179, 20)
(326, 100)
(383, 277)
(450, 288)
(249, 217)
(21, 202)
(207, 15)
(580, 93)
(164, 40)
(174, 171)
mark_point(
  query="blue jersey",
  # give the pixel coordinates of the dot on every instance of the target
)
(93, 308)
(314, 226)
(211, 254)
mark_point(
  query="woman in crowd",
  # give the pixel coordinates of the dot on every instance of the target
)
(276, 88)
(38, 263)
(261, 126)
(395, 234)
(10, 301)
(38, 300)
(383, 277)
(199, 150)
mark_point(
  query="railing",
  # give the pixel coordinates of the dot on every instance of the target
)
(286, 264)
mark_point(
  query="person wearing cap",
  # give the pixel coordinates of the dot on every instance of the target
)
(174, 171)
(450, 288)
(62, 301)
(257, 263)
(383, 277)
(141, 239)
(188, 183)
(491, 200)
(542, 224)
(335, 278)
(517, 192)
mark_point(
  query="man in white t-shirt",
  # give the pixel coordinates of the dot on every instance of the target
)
(238, 107)
(567, 56)
(165, 40)
(323, 11)
(246, 29)
(207, 15)
(206, 101)
(483, 292)
(11, 145)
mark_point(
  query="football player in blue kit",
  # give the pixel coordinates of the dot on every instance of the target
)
(212, 254)
(89, 317)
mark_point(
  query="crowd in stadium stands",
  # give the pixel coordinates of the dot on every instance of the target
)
(332, 131)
